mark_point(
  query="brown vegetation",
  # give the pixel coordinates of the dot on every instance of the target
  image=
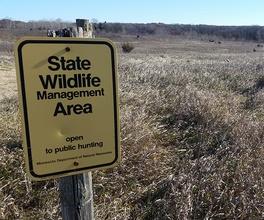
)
(191, 115)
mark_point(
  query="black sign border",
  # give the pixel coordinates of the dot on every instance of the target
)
(23, 92)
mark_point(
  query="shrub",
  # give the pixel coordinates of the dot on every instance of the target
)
(127, 47)
(260, 82)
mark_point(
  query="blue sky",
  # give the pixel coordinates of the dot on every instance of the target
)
(217, 12)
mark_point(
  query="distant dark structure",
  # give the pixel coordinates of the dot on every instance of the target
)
(83, 29)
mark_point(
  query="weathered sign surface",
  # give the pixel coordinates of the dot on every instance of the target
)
(68, 92)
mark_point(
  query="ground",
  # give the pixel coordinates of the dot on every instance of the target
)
(191, 117)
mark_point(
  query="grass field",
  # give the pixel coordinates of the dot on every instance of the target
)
(191, 115)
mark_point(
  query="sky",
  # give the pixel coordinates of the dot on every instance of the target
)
(217, 12)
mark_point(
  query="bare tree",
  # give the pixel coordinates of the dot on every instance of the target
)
(94, 20)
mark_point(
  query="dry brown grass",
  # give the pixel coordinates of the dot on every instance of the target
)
(191, 115)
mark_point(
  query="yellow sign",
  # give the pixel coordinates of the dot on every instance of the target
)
(68, 92)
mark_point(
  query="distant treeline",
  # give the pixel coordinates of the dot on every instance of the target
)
(255, 33)
(40, 25)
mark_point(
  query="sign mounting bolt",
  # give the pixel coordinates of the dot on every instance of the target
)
(76, 163)
(68, 49)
